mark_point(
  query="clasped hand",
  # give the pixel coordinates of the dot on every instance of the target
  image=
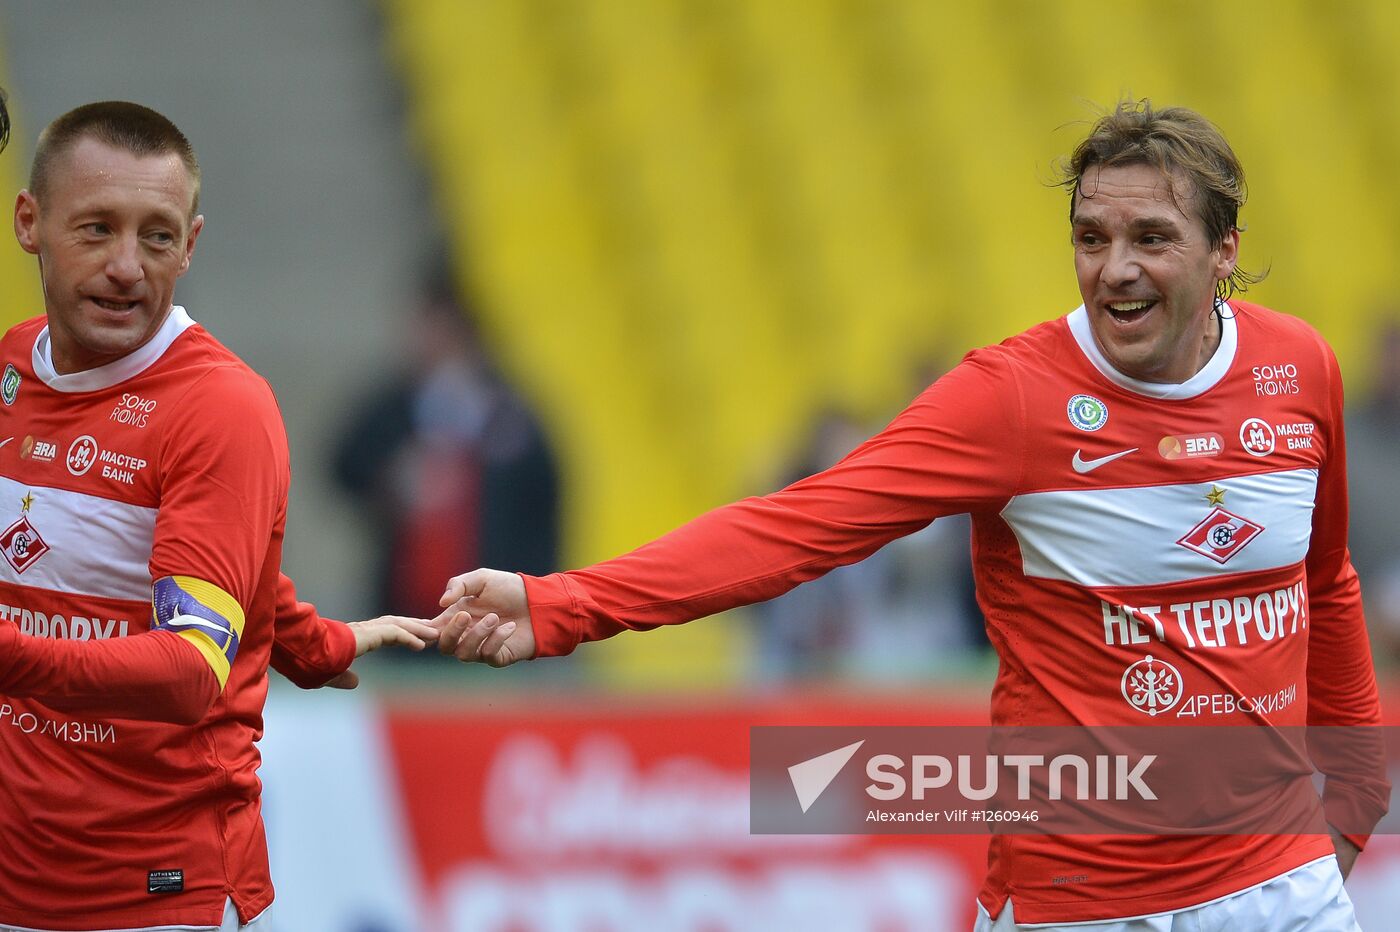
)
(485, 619)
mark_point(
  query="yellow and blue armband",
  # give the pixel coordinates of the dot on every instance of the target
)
(203, 614)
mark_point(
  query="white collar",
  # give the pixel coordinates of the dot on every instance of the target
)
(130, 365)
(1209, 376)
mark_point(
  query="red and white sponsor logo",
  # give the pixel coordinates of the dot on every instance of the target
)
(1278, 379)
(1151, 686)
(1191, 446)
(1257, 437)
(42, 451)
(1221, 535)
(22, 545)
(82, 453)
(1297, 435)
(133, 410)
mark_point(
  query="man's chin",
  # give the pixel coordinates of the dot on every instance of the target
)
(101, 346)
(1135, 360)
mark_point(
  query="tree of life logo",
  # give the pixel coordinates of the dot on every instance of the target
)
(1152, 686)
(1087, 413)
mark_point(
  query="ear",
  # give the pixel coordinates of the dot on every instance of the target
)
(195, 226)
(1227, 255)
(27, 222)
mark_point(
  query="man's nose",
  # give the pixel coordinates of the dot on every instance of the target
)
(1120, 266)
(124, 262)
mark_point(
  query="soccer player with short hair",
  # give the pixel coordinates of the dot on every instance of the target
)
(143, 493)
(1162, 451)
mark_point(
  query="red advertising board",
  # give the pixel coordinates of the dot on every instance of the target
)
(609, 816)
(574, 813)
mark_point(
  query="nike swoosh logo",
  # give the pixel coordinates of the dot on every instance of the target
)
(5, 441)
(1081, 465)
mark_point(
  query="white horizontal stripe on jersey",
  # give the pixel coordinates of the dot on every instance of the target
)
(97, 547)
(1128, 537)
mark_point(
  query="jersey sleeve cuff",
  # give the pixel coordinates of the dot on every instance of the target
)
(340, 642)
(553, 614)
(1354, 813)
(1358, 840)
(312, 669)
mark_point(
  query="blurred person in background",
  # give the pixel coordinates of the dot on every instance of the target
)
(1373, 455)
(143, 488)
(448, 462)
(1131, 455)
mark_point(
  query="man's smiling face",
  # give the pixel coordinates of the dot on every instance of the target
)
(113, 232)
(1147, 271)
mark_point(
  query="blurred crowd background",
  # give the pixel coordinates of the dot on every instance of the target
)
(537, 280)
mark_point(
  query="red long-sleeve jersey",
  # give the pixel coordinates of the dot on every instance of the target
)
(1195, 532)
(129, 794)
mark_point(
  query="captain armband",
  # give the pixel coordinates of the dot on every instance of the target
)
(203, 614)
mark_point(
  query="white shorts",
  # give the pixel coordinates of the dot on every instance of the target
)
(1310, 898)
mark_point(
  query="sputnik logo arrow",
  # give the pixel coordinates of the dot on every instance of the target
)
(811, 777)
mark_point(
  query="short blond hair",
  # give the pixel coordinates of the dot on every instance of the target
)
(119, 124)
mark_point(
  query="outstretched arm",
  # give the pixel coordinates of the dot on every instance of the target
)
(313, 651)
(176, 672)
(957, 448)
(370, 635)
